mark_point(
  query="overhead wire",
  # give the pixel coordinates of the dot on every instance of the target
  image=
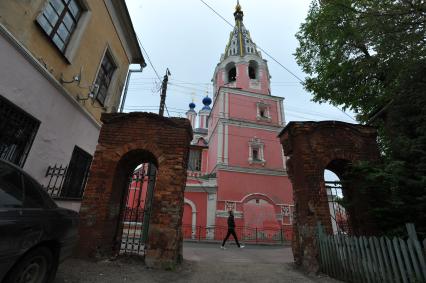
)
(149, 59)
(153, 68)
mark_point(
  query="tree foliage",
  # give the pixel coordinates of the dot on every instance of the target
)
(363, 55)
(354, 51)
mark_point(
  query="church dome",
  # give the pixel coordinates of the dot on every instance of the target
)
(207, 101)
(192, 105)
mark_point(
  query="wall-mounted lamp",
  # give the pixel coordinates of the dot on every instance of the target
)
(76, 78)
(92, 93)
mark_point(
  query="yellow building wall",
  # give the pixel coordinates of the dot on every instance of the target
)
(19, 17)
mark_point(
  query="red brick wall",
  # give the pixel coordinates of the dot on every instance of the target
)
(311, 148)
(125, 141)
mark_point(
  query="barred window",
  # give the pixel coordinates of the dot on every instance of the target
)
(59, 20)
(104, 77)
(17, 132)
(77, 173)
(194, 160)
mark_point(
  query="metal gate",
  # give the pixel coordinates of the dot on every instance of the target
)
(338, 213)
(137, 210)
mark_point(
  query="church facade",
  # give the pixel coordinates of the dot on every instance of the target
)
(236, 160)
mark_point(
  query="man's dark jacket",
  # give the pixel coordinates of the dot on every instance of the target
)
(231, 222)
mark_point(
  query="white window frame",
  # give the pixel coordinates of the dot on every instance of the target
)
(256, 144)
(74, 42)
(113, 81)
(265, 107)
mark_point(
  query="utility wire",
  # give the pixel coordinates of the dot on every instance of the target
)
(167, 110)
(149, 60)
(217, 13)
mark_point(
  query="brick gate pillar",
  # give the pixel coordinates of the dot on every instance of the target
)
(311, 148)
(125, 141)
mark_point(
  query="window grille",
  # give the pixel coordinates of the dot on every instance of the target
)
(59, 20)
(17, 132)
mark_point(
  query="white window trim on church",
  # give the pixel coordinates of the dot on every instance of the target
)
(262, 106)
(256, 144)
(287, 211)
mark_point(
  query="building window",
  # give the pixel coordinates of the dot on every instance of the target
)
(256, 151)
(194, 160)
(103, 80)
(252, 73)
(255, 154)
(59, 20)
(77, 173)
(252, 70)
(232, 74)
(17, 132)
(263, 112)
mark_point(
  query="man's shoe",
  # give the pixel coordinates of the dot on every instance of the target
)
(242, 246)
(223, 247)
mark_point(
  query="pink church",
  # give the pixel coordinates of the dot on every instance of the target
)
(236, 160)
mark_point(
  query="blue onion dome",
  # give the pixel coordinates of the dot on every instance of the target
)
(192, 105)
(207, 101)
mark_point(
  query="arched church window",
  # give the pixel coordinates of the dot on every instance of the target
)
(252, 73)
(232, 74)
(252, 70)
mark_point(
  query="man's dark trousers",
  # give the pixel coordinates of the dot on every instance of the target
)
(231, 231)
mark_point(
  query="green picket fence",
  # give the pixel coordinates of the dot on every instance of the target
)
(373, 259)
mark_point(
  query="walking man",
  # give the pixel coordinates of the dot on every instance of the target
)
(231, 230)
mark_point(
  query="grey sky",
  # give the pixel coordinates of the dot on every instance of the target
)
(188, 38)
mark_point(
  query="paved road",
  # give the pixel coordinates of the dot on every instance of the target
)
(205, 263)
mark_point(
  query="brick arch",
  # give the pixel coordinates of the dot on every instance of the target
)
(313, 147)
(125, 141)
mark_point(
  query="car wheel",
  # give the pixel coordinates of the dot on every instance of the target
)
(34, 267)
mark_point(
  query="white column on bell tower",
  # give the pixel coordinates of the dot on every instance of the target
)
(191, 115)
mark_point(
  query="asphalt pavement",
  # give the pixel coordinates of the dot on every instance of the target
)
(203, 262)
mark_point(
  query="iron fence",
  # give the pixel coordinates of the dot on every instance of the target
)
(244, 234)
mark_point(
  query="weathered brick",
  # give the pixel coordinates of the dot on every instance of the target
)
(311, 148)
(125, 141)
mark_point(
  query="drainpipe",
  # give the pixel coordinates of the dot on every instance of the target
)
(126, 87)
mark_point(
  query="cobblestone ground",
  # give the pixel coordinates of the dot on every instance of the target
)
(202, 263)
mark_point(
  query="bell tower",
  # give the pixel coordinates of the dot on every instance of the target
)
(241, 65)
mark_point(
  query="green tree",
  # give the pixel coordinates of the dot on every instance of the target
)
(365, 55)
(355, 51)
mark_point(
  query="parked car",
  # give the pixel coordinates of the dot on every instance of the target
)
(35, 234)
